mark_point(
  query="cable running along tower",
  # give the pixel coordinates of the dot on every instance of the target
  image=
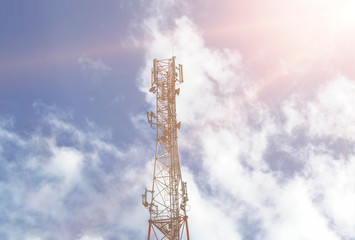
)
(167, 200)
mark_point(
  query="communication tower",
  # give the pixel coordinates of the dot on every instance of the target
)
(167, 201)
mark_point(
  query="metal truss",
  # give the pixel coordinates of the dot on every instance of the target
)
(168, 198)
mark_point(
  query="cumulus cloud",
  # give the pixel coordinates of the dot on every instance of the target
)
(210, 76)
(68, 182)
(267, 174)
(252, 172)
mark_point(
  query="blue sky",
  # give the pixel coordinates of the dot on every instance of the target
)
(267, 111)
(41, 44)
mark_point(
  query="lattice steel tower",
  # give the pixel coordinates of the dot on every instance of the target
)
(167, 199)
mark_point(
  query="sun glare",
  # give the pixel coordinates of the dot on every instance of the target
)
(346, 15)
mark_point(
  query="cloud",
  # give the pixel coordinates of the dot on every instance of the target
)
(326, 124)
(85, 237)
(332, 185)
(88, 63)
(264, 172)
(68, 182)
(253, 172)
(211, 72)
(94, 69)
(329, 113)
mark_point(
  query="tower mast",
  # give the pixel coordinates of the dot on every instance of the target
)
(167, 199)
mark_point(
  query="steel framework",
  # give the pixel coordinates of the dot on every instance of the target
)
(168, 198)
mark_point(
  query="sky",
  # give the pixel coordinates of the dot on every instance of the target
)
(267, 110)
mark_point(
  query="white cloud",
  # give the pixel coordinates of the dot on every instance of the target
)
(206, 220)
(75, 183)
(68, 182)
(332, 112)
(332, 184)
(66, 162)
(212, 71)
(210, 77)
(334, 109)
(228, 132)
(95, 69)
(90, 237)
(33, 238)
(88, 63)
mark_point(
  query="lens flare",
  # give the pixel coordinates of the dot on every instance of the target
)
(347, 15)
